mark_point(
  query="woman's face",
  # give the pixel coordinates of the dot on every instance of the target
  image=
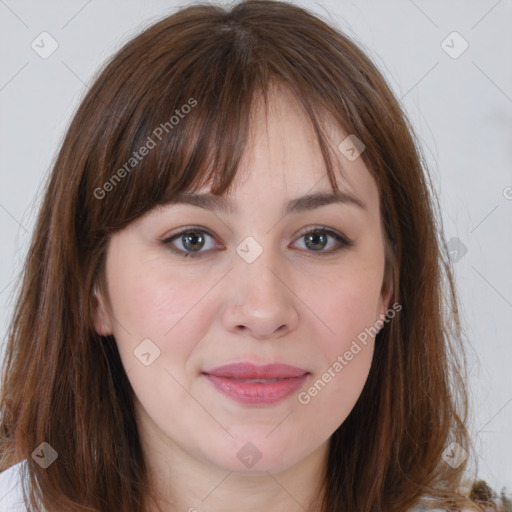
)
(258, 290)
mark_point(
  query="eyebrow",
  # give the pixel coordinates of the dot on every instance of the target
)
(301, 204)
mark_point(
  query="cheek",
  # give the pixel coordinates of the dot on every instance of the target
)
(141, 303)
(349, 307)
(346, 355)
(152, 302)
(156, 315)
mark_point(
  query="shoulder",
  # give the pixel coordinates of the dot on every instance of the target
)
(424, 508)
(11, 494)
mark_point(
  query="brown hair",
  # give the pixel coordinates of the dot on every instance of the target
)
(64, 384)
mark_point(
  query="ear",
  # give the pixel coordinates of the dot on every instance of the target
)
(102, 318)
(386, 292)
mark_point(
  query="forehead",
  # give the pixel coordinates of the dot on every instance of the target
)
(283, 162)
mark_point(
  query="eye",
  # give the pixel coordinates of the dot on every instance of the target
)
(317, 238)
(193, 239)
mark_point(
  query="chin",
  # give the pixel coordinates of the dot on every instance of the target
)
(258, 456)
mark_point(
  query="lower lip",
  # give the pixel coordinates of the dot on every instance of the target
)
(257, 392)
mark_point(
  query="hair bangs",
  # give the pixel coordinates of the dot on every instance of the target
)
(184, 118)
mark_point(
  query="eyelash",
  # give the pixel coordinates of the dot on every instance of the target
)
(344, 242)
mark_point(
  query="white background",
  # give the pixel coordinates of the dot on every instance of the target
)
(461, 109)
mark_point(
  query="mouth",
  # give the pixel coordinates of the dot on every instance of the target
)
(253, 384)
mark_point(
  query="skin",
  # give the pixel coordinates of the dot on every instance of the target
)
(293, 304)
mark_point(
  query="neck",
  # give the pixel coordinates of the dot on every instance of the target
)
(183, 483)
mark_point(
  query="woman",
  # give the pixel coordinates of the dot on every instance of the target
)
(234, 297)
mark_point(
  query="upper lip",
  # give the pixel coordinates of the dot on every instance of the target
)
(247, 370)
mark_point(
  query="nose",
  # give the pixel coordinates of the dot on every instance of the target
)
(261, 300)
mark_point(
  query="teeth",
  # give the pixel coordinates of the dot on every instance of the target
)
(262, 381)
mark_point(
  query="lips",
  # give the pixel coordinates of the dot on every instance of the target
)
(252, 384)
(249, 371)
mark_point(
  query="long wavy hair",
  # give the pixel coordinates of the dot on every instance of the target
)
(64, 384)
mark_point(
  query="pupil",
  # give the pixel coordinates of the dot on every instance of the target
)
(191, 241)
(315, 237)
